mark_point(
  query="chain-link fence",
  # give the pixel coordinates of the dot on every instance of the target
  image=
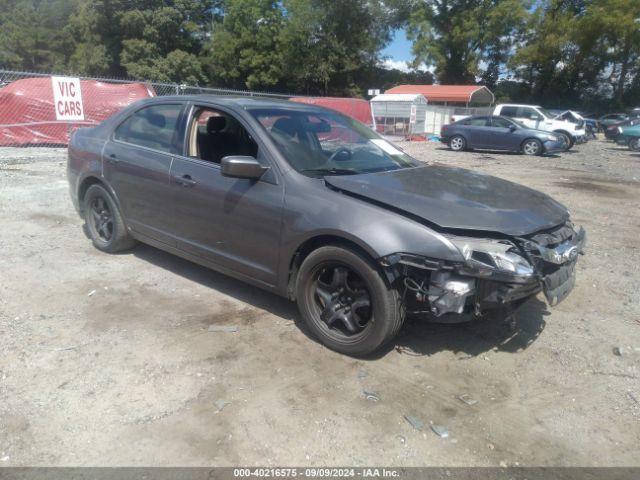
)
(44, 109)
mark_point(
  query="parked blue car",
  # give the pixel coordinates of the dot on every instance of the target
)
(499, 133)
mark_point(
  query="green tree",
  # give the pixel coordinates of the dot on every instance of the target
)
(580, 52)
(458, 36)
(329, 46)
(620, 23)
(150, 39)
(245, 50)
(32, 35)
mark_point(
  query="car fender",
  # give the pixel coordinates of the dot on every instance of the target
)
(377, 230)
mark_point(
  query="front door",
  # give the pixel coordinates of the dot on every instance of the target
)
(136, 163)
(234, 223)
(502, 136)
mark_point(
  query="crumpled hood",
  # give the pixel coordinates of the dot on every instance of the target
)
(457, 198)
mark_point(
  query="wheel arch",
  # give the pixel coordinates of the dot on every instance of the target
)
(317, 241)
(564, 132)
(87, 182)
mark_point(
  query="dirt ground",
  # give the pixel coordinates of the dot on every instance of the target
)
(108, 359)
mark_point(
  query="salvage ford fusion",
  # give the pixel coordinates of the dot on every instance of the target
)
(314, 206)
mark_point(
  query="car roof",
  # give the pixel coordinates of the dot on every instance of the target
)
(518, 105)
(243, 102)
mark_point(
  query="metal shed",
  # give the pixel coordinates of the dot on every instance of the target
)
(445, 101)
(398, 113)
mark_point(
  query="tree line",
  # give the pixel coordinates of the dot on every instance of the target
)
(556, 52)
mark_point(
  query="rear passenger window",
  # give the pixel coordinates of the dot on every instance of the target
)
(152, 127)
(509, 111)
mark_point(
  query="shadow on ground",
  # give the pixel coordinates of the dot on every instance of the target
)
(418, 337)
(226, 285)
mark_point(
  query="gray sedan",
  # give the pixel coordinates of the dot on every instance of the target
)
(499, 133)
(314, 206)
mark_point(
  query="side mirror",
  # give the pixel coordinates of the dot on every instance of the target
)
(240, 166)
(513, 128)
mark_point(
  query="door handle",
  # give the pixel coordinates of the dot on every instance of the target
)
(112, 158)
(185, 180)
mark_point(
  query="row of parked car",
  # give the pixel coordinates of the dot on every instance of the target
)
(625, 132)
(527, 129)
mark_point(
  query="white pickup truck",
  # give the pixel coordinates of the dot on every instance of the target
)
(534, 116)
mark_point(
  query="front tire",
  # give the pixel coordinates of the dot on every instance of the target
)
(532, 146)
(457, 143)
(569, 141)
(634, 144)
(104, 221)
(345, 302)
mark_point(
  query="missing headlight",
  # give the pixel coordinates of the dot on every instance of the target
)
(495, 259)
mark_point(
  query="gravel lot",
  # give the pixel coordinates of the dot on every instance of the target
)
(108, 360)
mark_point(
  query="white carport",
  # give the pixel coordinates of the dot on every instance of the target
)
(398, 113)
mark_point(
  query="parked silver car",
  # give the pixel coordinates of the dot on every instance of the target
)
(499, 133)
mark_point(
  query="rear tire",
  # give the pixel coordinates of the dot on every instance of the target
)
(457, 143)
(532, 146)
(634, 144)
(345, 302)
(104, 221)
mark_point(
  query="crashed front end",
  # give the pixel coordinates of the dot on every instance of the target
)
(496, 273)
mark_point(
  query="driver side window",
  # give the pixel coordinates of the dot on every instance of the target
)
(214, 135)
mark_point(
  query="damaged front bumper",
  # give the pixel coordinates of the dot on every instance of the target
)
(496, 274)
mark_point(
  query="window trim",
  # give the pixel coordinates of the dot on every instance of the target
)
(188, 112)
(179, 123)
(192, 106)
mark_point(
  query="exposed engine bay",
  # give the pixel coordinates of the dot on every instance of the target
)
(497, 273)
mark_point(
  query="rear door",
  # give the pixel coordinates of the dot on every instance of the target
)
(136, 162)
(475, 129)
(234, 223)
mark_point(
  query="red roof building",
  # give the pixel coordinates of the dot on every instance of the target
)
(449, 94)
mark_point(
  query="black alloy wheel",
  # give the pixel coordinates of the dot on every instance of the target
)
(342, 301)
(345, 301)
(102, 219)
(104, 222)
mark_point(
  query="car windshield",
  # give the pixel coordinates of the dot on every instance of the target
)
(318, 143)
